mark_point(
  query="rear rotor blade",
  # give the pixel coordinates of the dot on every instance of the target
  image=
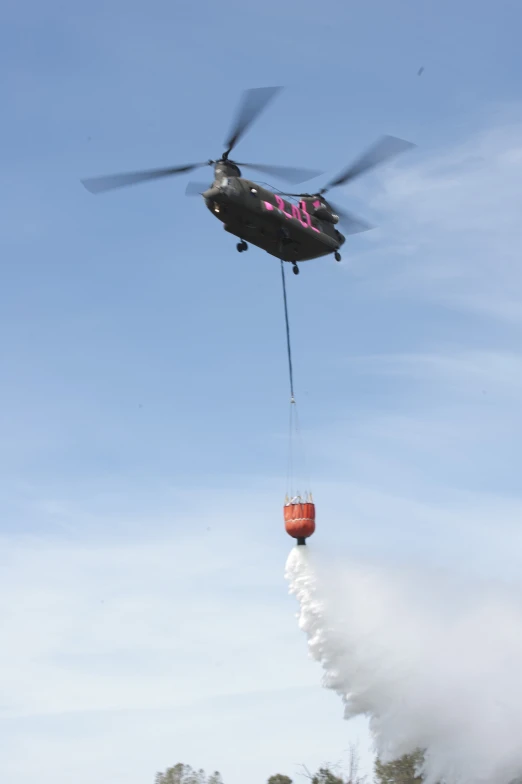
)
(288, 173)
(111, 181)
(387, 147)
(252, 104)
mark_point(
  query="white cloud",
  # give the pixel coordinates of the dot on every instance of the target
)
(132, 626)
(130, 657)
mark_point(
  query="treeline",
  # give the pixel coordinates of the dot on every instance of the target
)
(401, 771)
(184, 774)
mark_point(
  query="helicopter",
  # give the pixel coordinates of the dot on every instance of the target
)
(300, 227)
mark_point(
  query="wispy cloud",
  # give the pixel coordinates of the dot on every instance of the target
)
(430, 461)
(451, 223)
(136, 625)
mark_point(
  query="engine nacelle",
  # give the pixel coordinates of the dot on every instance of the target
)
(320, 210)
(323, 213)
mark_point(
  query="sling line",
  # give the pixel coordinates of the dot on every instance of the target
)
(289, 350)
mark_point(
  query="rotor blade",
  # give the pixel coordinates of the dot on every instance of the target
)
(349, 222)
(252, 104)
(107, 183)
(387, 147)
(196, 188)
(287, 173)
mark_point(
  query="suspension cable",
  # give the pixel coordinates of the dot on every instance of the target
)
(289, 350)
(294, 426)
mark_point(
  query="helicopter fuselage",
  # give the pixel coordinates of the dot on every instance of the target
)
(288, 231)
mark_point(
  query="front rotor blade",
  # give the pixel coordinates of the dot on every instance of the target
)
(287, 173)
(349, 222)
(252, 104)
(387, 147)
(111, 181)
(196, 188)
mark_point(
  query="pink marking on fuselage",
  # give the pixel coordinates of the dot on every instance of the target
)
(299, 213)
(296, 213)
(281, 205)
(308, 219)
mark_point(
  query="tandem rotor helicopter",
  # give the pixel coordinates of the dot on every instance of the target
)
(298, 230)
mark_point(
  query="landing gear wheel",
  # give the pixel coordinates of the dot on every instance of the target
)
(241, 246)
(295, 269)
(337, 256)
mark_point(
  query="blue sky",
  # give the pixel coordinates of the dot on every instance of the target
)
(143, 379)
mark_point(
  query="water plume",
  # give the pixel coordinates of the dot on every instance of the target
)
(433, 666)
